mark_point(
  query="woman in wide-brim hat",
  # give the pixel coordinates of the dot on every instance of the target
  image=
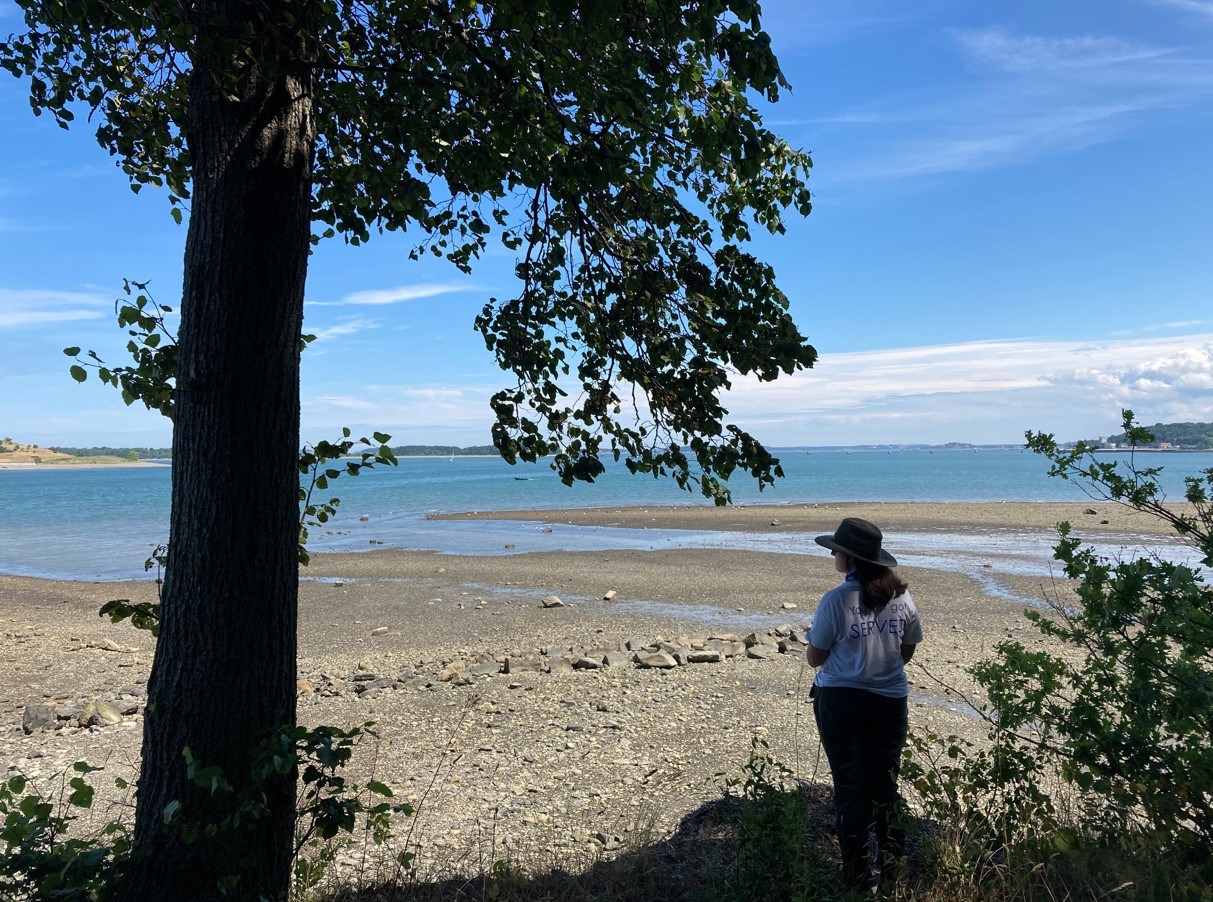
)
(863, 634)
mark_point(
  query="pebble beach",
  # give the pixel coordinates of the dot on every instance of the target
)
(523, 702)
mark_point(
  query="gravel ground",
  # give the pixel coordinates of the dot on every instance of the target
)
(561, 764)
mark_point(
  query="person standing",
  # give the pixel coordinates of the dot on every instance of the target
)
(863, 634)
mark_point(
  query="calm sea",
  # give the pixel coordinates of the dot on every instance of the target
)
(101, 524)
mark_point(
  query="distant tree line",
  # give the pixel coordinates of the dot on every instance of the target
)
(443, 450)
(1180, 435)
(140, 453)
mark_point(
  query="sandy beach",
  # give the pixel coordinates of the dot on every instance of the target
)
(563, 763)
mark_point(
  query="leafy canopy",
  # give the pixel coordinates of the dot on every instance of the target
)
(612, 146)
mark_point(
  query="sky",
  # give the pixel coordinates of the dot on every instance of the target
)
(1012, 229)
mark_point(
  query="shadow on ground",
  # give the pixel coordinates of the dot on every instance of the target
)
(698, 862)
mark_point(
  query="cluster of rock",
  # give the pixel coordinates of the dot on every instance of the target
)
(659, 654)
(92, 714)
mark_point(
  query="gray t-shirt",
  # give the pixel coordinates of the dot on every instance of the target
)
(864, 647)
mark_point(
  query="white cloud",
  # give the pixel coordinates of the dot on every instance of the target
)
(347, 326)
(410, 413)
(998, 49)
(986, 391)
(36, 306)
(397, 295)
(980, 391)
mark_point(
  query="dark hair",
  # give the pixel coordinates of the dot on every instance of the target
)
(878, 585)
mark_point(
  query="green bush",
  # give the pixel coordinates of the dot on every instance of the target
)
(1099, 774)
(38, 860)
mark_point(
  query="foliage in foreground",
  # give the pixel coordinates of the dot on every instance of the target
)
(1099, 773)
(42, 856)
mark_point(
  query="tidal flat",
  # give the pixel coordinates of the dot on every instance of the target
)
(564, 765)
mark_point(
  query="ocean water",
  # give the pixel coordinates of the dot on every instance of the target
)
(101, 524)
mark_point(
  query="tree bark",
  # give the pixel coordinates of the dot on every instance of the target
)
(224, 672)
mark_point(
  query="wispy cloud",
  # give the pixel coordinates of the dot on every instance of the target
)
(348, 326)
(34, 306)
(1030, 96)
(1200, 7)
(397, 295)
(410, 413)
(999, 49)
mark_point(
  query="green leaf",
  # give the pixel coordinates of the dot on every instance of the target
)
(78, 373)
(71, 352)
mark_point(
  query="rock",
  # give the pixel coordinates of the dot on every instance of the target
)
(789, 606)
(456, 676)
(485, 668)
(304, 687)
(1090, 510)
(560, 665)
(761, 651)
(676, 651)
(98, 714)
(610, 842)
(609, 596)
(552, 601)
(706, 656)
(776, 523)
(364, 518)
(110, 645)
(128, 708)
(365, 676)
(658, 659)
(617, 659)
(379, 631)
(524, 664)
(758, 639)
(38, 717)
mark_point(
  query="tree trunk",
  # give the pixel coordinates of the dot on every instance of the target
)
(224, 673)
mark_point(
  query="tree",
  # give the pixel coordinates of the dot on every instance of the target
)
(612, 146)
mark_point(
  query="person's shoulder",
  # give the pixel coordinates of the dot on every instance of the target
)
(837, 592)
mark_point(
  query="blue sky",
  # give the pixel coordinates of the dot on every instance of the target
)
(1012, 229)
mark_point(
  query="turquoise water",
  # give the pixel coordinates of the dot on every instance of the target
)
(101, 524)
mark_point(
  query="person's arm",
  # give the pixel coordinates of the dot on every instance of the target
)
(907, 652)
(815, 655)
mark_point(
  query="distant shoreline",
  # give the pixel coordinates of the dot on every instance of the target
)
(32, 467)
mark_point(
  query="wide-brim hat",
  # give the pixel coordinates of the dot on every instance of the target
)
(858, 539)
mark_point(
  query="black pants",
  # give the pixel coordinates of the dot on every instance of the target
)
(863, 734)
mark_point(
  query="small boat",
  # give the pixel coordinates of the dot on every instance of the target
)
(523, 478)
